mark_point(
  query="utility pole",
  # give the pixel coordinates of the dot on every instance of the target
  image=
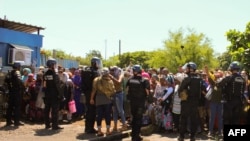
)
(106, 49)
(119, 49)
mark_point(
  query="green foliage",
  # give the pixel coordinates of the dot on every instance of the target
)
(138, 57)
(89, 56)
(156, 58)
(94, 53)
(224, 60)
(240, 45)
(60, 54)
(180, 47)
(183, 47)
(112, 61)
(46, 52)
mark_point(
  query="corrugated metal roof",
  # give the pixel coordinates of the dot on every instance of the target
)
(17, 26)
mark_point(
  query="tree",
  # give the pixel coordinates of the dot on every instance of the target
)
(240, 45)
(183, 47)
(60, 54)
(137, 57)
(224, 60)
(46, 53)
(112, 61)
(94, 53)
(90, 55)
(157, 58)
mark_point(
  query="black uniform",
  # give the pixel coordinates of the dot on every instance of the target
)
(137, 95)
(16, 89)
(189, 108)
(52, 98)
(88, 76)
(233, 91)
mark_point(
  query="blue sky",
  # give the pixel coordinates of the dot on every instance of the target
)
(78, 26)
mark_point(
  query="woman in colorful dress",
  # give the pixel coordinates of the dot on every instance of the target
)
(77, 94)
(159, 93)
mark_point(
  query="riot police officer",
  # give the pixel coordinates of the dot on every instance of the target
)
(192, 87)
(233, 91)
(138, 90)
(52, 96)
(88, 76)
(16, 88)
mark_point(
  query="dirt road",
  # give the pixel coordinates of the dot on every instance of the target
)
(36, 132)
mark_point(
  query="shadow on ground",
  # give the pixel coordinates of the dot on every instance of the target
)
(46, 132)
(8, 128)
(117, 136)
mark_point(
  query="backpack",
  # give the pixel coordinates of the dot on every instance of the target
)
(167, 120)
(105, 86)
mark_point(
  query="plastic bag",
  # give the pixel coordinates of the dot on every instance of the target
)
(72, 106)
(168, 120)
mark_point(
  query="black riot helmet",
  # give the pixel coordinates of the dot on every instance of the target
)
(235, 65)
(96, 63)
(51, 63)
(16, 65)
(137, 69)
(190, 65)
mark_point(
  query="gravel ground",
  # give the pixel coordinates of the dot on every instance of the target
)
(37, 132)
(71, 132)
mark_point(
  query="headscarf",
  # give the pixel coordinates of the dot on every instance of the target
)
(25, 77)
(65, 77)
(77, 78)
(155, 76)
(145, 75)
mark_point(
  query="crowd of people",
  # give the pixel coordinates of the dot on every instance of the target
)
(189, 101)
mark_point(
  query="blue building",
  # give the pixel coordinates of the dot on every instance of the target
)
(20, 42)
